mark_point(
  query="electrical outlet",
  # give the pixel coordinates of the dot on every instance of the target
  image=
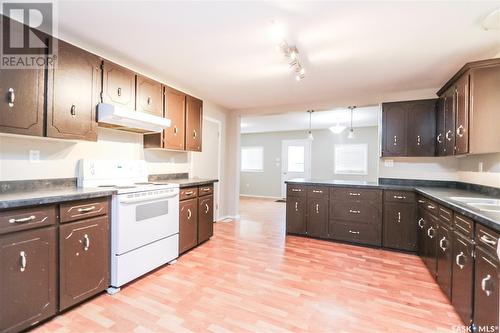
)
(389, 163)
(34, 156)
(480, 167)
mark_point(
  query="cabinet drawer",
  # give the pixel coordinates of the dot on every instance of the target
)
(296, 190)
(317, 192)
(356, 232)
(205, 190)
(188, 193)
(446, 215)
(77, 210)
(428, 205)
(399, 196)
(464, 225)
(363, 212)
(488, 239)
(26, 218)
(349, 194)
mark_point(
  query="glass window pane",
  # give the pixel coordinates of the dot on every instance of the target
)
(295, 158)
(252, 159)
(351, 159)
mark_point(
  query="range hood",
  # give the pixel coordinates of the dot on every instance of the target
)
(112, 116)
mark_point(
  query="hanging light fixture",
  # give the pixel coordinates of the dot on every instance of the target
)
(309, 134)
(337, 129)
(351, 130)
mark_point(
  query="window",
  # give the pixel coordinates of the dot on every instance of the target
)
(252, 159)
(296, 158)
(351, 159)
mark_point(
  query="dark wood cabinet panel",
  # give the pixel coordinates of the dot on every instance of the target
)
(355, 194)
(449, 121)
(400, 226)
(188, 193)
(295, 190)
(356, 211)
(394, 129)
(444, 257)
(421, 124)
(194, 121)
(430, 244)
(206, 190)
(462, 114)
(440, 126)
(175, 110)
(317, 217)
(486, 292)
(84, 253)
(361, 233)
(73, 94)
(27, 218)
(422, 226)
(118, 85)
(462, 277)
(296, 215)
(149, 96)
(205, 218)
(188, 224)
(27, 278)
(83, 209)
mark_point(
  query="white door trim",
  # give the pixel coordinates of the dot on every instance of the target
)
(307, 162)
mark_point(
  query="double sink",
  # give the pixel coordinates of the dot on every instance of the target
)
(482, 204)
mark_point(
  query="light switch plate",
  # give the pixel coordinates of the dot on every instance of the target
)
(34, 156)
(389, 163)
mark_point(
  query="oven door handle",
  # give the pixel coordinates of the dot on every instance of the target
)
(144, 199)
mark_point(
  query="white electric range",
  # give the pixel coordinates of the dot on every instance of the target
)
(144, 217)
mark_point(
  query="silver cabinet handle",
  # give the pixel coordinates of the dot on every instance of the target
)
(207, 208)
(195, 134)
(317, 191)
(23, 220)
(296, 190)
(421, 223)
(149, 100)
(421, 201)
(399, 197)
(488, 241)
(317, 208)
(431, 207)
(498, 248)
(175, 130)
(188, 192)
(189, 214)
(418, 140)
(23, 261)
(205, 189)
(86, 242)
(354, 211)
(395, 142)
(86, 210)
(12, 97)
(448, 135)
(429, 232)
(441, 244)
(399, 217)
(119, 91)
(440, 138)
(457, 260)
(483, 285)
(72, 110)
(460, 131)
(354, 194)
(354, 232)
(296, 206)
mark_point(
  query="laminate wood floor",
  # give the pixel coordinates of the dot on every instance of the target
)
(251, 278)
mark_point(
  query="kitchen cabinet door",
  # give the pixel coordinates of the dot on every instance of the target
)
(175, 110)
(27, 278)
(422, 227)
(462, 277)
(149, 96)
(400, 226)
(118, 85)
(84, 253)
(73, 94)
(421, 128)
(188, 224)
(205, 218)
(194, 121)
(462, 111)
(296, 215)
(317, 217)
(431, 245)
(444, 257)
(486, 292)
(394, 129)
(440, 126)
(449, 119)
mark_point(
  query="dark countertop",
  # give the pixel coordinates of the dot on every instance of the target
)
(40, 197)
(441, 195)
(187, 182)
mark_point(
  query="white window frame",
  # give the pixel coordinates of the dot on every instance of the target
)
(261, 153)
(351, 172)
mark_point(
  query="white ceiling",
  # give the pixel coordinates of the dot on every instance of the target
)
(362, 117)
(224, 51)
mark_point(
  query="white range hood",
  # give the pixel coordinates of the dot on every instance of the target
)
(128, 120)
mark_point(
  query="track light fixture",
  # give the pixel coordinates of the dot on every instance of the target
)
(292, 54)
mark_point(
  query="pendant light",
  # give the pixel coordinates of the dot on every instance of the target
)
(310, 135)
(351, 130)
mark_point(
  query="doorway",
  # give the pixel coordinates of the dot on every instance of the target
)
(295, 161)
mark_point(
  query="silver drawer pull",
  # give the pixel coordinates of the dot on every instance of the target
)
(206, 189)
(488, 241)
(119, 91)
(431, 207)
(441, 244)
(421, 201)
(86, 242)
(395, 142)
(440, 138)
(296, 206)
(72, 110)
(189, 214)
(354, 232)
(460, 131)
(354, 211)
(317, 208)
(188, 192)
(149, 100)
(23, 261)
(421, 223)
(194, 134)
(399, 197)
(448, 135)
(175, 130)
(431, 229)
(207, 208)
(296, 190)
(86, 210)
(354, 194)
(457, 260)
(317, 191)
(12, 97)
(23, 220)
(399, 217)
(419, 140)
(483, 285)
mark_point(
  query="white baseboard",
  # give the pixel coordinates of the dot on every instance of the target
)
(259, 196)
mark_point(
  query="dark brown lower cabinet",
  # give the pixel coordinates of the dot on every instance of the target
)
(317, 217)
(400, 229)
(296, 215)
(361, 233)
(188, 224)
(205, 218)
(486, 292)
(444, 257)
(27, 278)
(421, 232)
(430, 244)
(462, 276)
(83, 260)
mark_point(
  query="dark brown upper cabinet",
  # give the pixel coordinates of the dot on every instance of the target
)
(409, 128)
(194, 122)
(118, 85)
(73, 94)
(462, 115)
(449, 122)
(149, 96)
(175, 110)
(440, 126)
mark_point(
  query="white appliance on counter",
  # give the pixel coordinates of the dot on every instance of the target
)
(144, 217)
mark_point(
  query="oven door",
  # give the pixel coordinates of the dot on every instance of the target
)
(142, 220)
